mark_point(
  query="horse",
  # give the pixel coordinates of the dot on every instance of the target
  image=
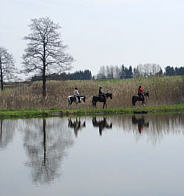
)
(72, 99)
(140, 122)
(102, 124)
(136, 98)
(101, 99)
(76, 125)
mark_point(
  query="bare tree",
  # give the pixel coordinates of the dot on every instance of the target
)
(117, 72)
(7, 66)
(148, 69)
(45, 52)
(102, 73)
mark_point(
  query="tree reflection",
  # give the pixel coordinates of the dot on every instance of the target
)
(45, 141)
(140, 123)
(76, 125)
(102, 124)
(7, 130)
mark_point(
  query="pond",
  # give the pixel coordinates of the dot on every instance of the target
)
(93, 156)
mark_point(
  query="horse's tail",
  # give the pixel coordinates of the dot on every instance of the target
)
(133, 100)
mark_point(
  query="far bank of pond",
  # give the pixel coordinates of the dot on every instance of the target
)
(33, 113)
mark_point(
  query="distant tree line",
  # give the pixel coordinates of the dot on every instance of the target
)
(78, 75)
(142, 70)
(110, 72)
(171, 71)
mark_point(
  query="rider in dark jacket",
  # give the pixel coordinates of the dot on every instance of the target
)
(100, 93)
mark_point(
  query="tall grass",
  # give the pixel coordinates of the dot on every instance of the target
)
(163, 90)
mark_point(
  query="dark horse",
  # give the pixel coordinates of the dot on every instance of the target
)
(136, 98)
(101, 99)
(102, 124)
(72, 99)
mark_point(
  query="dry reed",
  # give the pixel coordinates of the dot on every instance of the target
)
(163, 90)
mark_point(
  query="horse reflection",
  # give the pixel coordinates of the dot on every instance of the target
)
(102, 124)
(76, 125)
(140, 122)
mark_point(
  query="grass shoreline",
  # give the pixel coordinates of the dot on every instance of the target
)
(35, 113)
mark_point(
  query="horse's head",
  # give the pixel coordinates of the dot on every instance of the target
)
(108, 95)
(146, 94)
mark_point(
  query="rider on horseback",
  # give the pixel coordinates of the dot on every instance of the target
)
(141, 93)
(100, 93)
(76, 95)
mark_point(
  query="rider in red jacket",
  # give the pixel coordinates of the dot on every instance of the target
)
(140, 92)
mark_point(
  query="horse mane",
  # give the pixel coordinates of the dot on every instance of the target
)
(108, 95)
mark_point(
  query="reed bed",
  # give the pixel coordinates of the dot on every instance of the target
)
(163, 91)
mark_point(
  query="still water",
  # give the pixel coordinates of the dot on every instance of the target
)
(93, 156)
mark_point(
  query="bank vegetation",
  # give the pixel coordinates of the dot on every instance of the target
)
(163, 91)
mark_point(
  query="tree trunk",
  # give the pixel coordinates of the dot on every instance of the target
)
(44, 70)
(2, 86)
(1, 131)
(44, 84)
(1, 75)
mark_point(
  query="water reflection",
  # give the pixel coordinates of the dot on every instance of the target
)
(140, 122)
(7, 131)
(155, 126)
(76, 124)
(101, 124)
(45, 142)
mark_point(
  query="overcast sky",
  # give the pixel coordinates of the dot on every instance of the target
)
(102, 32)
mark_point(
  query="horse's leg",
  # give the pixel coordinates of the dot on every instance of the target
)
(93, 103)
(103, 105)
(69, 102)
(142, 99)
(76, 101)
(133, 101)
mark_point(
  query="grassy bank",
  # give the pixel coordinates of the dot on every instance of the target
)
(6, 114)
